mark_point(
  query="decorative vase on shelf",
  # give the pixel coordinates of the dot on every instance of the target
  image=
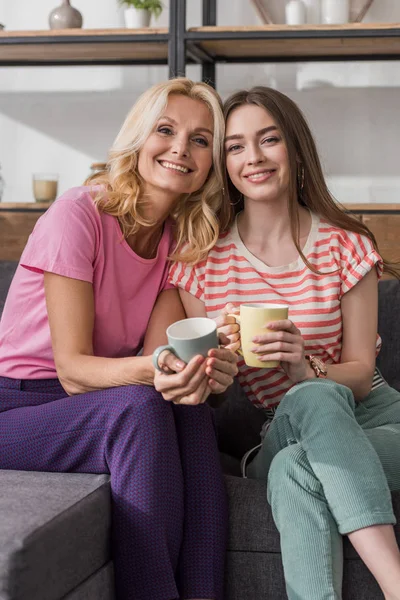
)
(137, 18)
(295, 12)
(65, 17)
(335, 12)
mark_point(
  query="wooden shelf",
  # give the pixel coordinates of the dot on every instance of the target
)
(368, 208)
(283, 42)
(24, 206)
(84, 47)
(373, 208)
(231, 44)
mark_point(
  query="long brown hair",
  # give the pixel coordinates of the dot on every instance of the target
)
(307, 185)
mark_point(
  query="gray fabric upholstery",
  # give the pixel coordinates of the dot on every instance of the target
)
(7, 270)
(388, 359)
(54, 532)
(252, 528)
(238, 423)
(259, 576)
(99, 586)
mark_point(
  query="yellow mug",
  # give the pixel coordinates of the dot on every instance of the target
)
(252, 319)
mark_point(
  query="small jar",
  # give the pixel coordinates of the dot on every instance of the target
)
(296, 13)
(335, 12)
(2, 185)
(97, 167)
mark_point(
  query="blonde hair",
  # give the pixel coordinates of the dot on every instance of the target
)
(307, 185)
(201, 215)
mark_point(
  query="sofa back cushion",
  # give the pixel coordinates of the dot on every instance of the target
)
(7, 270)
(389, 328)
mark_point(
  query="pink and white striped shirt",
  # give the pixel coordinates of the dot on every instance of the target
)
(230, 273)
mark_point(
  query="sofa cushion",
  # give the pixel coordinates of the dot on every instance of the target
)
(238, 422)
(54, 532)
(251, 526)
(7, 270)
(388, 359)
(99, 586)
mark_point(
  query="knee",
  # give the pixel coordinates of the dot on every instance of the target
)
(134, 402)
(285, 469)
(318, 395)
(145, 402)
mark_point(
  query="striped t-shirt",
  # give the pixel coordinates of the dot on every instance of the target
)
(230, 273)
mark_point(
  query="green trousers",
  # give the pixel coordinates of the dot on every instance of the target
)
(330, 465)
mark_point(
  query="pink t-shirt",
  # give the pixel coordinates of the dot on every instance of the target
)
(75, 240)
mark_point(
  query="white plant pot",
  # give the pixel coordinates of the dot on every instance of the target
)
(136, 18)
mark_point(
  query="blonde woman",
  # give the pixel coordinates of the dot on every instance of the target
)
(90, 291)
(331, 443)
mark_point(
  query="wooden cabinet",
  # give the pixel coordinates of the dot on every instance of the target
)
(18, 220)
(384, 222)
(386, 229)
(16, 224)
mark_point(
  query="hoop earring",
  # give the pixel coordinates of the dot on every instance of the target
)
(300, 178)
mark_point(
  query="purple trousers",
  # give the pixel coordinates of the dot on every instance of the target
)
(168, 496)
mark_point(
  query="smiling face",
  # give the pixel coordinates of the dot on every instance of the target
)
(177, 156)
(256, 155)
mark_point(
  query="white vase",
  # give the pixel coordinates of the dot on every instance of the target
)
(295, 12)
(313, 11)
(136, 18)
(335, 12)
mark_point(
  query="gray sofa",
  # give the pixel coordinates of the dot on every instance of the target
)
(55, 528)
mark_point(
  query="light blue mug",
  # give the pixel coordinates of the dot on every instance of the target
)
(189, 338)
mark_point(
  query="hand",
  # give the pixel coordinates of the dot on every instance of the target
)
(228, 328)
(284, 342)
(221, 368)
(180, 383)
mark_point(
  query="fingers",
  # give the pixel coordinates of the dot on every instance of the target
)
(275, 347)
(293, 358)
(197, 397)
(227, 325)
(234, 347)
(285, 344)
(284, 325)
(221, 368)
(230, 308)
(278, 336)
(223, 354)
(169, 363)
(183, 383)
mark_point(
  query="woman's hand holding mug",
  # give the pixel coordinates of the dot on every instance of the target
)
(209, 369)
(270, 339)
(282, 341)
(228, 327)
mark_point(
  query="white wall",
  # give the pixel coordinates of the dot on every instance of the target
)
(62, 119)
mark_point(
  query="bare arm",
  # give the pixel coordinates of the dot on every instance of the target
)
(70, 307)
(167, 310)
(360, 323)
(359, 306)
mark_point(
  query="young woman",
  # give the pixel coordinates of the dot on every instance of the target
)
(331, 446)
(90, 291)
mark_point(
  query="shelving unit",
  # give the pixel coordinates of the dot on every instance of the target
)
(206, 45)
